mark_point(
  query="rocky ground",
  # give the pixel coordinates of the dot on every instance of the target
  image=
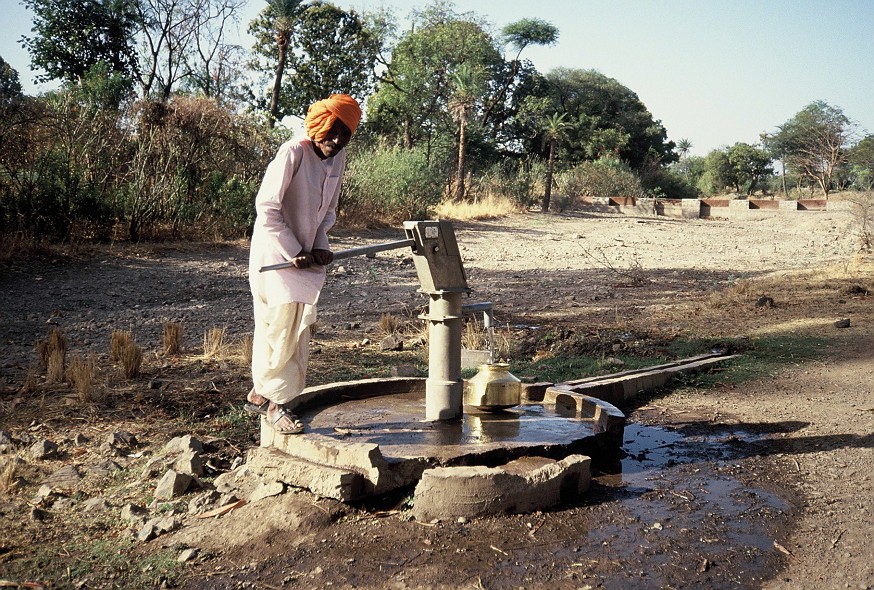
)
(728, 481)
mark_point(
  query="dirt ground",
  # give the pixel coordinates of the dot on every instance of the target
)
(762, 483)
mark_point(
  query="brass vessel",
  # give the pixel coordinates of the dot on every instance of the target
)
(493, 388)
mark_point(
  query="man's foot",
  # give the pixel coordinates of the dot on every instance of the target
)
(283, 421)
(256, 403)
(253, 397)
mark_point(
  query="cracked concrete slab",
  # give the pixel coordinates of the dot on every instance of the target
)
(522, 485)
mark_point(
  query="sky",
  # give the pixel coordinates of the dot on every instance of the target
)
(714, 72)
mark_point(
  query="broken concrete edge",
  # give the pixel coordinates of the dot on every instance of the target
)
(346, 485)
(349, 471)
(365, 459)
(522, 485)
(570, 403)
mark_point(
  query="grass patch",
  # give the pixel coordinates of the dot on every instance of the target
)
(489, 207)
(369, 364)
(90, 563)
(559, 368)
(759, 357)
(234, 425)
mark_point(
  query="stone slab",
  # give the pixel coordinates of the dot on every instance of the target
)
(323, 480)
(522, 485)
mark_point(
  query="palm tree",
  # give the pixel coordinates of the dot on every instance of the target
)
(683, 146)
(553, 131)
(284, 15)
(461, 104)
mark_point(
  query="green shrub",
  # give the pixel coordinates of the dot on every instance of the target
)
(606, 177)
(520, 181)
(664, 182)
(389, 185)
(231, 202)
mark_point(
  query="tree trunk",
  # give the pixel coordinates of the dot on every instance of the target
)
(459, 171)
(282, 41)
(550, 164)
(783, 175)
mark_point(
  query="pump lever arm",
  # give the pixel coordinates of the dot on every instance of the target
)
(363, 250)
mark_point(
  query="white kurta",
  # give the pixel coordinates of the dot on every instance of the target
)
(296, 206)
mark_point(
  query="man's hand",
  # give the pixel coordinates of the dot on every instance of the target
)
(302, 260)
(322, 257)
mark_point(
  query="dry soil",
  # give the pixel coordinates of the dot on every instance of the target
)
(764, 483)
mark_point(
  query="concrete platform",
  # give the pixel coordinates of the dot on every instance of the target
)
(368, 437)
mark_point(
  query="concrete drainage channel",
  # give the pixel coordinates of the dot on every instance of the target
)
(368, 438)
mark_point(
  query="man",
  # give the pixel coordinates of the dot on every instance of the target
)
(296, 206)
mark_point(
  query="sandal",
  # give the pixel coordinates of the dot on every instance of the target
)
(257, 409)
(280, 413)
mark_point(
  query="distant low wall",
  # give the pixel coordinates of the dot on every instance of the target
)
(704, 208)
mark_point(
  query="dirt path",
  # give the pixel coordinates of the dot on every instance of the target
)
(766, 484)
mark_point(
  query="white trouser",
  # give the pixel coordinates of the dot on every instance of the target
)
(280, 349)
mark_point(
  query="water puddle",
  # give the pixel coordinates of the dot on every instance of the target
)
(678, 514)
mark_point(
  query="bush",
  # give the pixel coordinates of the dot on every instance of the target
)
(520, 181)
(606, 177)
(388, 185)
(669, 184)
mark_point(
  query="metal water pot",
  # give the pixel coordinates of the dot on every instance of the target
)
(493, 388)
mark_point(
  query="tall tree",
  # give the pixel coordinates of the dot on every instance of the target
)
(412, 97)
(333, 51)
(273, 29)
(519, 35)
(10, 86)
(180, 40)
(553, 132)
(466, 89)
(72, 36)
(313, 50)
(604, 118)
(718, 173)
(750, 164)
(213, 65)
(815, 142)
(861, 159)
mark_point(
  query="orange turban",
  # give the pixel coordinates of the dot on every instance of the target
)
(322, 114)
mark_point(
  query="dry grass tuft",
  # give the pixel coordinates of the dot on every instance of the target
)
(474, 336)
(118, 342)
(130, 356)
(131, 360)
(489, 207)
(82, 375)
(42, 355)
(389, 324)
(172, 337)
(246, 349)
(56, 354)
(30, 380)
(126, 352)
(213, 341)
(739, 293)
(8, 464)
